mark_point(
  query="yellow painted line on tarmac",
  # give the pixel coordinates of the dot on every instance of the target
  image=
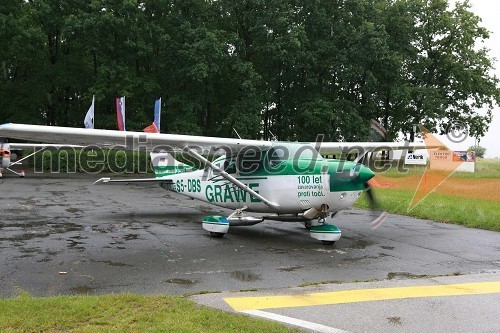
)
(360, 295)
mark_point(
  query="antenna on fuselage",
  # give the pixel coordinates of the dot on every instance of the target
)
(234, 129)
(274, 136)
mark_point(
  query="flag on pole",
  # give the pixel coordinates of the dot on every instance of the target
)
(378, 132)
(120, 113)
(157, 114)
(151, 129)
(89, 118)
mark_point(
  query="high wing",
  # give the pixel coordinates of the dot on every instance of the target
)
(21, 146)
(172, 142)
(120, 139)
(367, 147)
(107, 180)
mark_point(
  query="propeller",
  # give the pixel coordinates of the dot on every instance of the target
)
(371, 196)
(378, 216)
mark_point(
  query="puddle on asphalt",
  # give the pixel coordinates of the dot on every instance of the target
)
(353, 260)
(360, 243)
(73, 210)
(82, 289)
(350, 212)
(78, 237)
(46, 259)
(130, 237)
(275, 250)
(30, 250)
(394, 320)
(74, 244)
(40, 228)
(182, 282)
(245, 276)
(112, 263)
(403, 275)
(290, 268)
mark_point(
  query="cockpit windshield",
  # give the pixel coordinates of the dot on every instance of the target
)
(252, 161)
(285, 151)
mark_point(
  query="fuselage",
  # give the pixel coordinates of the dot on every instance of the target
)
(295, 185)
(293, 194)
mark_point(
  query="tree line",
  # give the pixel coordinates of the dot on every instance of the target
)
(289, 69)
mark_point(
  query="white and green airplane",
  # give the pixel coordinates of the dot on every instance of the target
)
(287, 181)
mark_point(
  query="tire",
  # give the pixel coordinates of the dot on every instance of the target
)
(328, 242)
(216, 234)
(308, 225)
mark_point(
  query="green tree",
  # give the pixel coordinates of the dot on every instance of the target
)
(293, 68)
(448, 78)
(480, 151)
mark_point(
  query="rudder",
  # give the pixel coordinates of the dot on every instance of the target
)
(164, 164)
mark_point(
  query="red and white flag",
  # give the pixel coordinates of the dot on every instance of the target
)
(151, 129)
(120, 113)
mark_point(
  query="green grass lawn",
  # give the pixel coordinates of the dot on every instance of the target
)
(471, 212)
(122, 313)
(474, 213)
(485, 168)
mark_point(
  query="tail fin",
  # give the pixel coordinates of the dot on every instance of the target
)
(164, 164)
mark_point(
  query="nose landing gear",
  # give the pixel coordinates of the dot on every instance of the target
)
(328, 234)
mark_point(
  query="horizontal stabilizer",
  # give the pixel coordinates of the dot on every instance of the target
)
(108, 180)
(164, 164)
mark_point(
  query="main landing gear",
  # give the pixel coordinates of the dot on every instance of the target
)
(20, 174)
(218, 226)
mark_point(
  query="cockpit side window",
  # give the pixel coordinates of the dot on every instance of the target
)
(276, 155)
(250, 161)
(230, 166)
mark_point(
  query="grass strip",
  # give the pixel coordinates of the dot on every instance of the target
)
(122, 313)
(473, 213)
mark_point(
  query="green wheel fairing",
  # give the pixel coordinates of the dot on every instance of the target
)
(216, 225)
(326, 233)
(325, 229)
(215, 219)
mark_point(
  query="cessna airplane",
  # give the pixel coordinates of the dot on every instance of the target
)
(287, 181)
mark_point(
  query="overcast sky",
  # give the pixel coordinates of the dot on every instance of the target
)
(489, 11)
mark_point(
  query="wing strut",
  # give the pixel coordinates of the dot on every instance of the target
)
(230, 178)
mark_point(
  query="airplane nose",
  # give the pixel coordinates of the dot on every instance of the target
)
(365, 174)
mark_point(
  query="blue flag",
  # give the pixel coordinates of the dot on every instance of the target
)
(157, 113)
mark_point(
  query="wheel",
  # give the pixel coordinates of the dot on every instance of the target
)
(328, 242)
(216, 234)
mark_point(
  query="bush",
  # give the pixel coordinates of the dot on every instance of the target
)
(91, 161)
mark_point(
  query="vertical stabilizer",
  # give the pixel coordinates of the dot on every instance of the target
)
(164, 164)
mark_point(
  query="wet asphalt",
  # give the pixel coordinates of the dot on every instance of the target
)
(62, 235)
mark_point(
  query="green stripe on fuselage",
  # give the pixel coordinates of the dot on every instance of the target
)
(162, 171)
(337, 169)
